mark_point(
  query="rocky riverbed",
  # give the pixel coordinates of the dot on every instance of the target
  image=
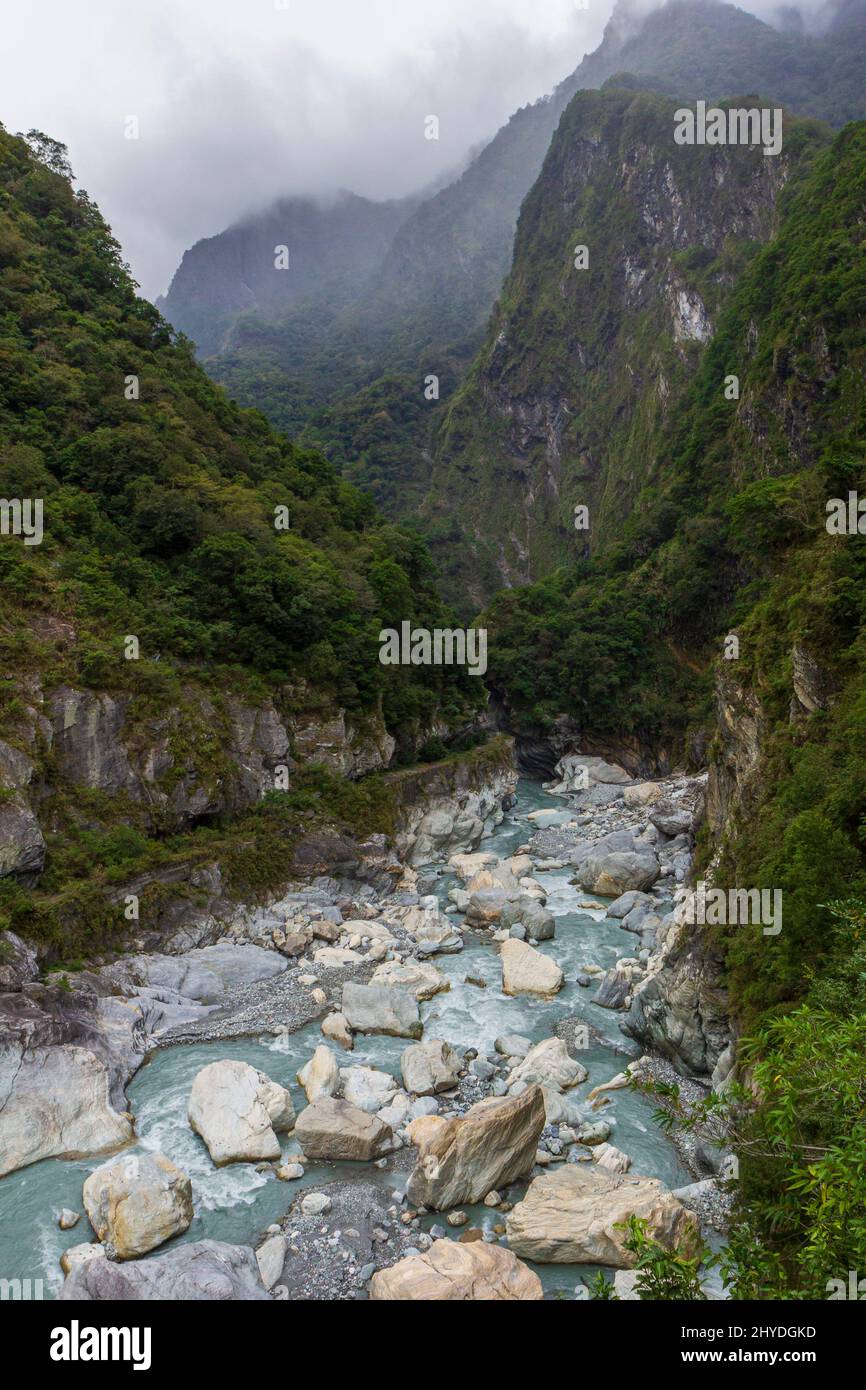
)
(408, 1088)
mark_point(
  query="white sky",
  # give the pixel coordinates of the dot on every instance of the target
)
(241, 101)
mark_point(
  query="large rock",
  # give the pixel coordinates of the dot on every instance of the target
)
(429, 1067)
(204, 1270)
(572, 1216)
(526, 970)
(137, 1203)
(643, 794)
(462, 1159)
(418, 977)
(55, 1103)
(238, 1111)
(672, 818)
(549, 1064)
(611, 871)
(682, 1009)
(334, 1129)
(369, 1089)
(451, 1272)
(378, 1009)
(539, 923)
(321, 1075)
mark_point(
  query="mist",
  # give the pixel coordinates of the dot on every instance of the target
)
(239, 102)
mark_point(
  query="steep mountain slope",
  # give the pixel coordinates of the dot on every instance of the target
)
(583, 365)
(198, 611)
(332, 249)
(733, 540)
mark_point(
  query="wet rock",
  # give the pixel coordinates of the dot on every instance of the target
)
(453, 1272)
(321, 1075)
(573, 1215)
(429, 1067)
(367, 1088)
(334, 1129)
(238, 1111)
(378, 1009)
(79, 1255)
(549, 1064)
(526, 970)
(204, 1270)
(461, 1159)
(336, 1027)
(137, 1203)
(418, 977)
(512, 1045)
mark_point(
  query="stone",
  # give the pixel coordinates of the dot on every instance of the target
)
(55, 1103)
(429, 1067)
(203, 1270)
(538, 924)
(671, 818)
(454, 1272)
(462, 1159)
(613, 1160)
(593, 1132)
(238, 1112)
(320, 1076)
(79, 1255)
(642, 794)
(290, 1172)
(336, 957)
(573, 1215)
(512, 1045)
(315, 1204)
(270, 1258)
(334, 1129)
(626, 902)
(138, 1202)
(457, 1218)
(336, 1028)
(526, 970)
(612, 873)
(68, 1219)
(549, 1064)
(418, 977)
(377, 1009)
(614, 990)
(367, 1088)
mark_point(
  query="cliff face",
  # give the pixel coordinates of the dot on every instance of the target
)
(585, 365)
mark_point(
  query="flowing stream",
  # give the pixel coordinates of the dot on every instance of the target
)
(237, 1204)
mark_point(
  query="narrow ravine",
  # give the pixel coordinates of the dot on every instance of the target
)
(238, 1203)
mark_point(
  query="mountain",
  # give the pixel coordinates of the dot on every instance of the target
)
(332, 247)
(421, 308)
(581, 367)
(196, 617)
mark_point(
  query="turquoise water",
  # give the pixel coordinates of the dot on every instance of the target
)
(237, 1204)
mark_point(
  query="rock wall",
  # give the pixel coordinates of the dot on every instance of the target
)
(449, 806)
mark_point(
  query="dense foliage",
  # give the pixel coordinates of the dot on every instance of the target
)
(170, 513)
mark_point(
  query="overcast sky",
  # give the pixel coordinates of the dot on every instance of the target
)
(241, 101)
